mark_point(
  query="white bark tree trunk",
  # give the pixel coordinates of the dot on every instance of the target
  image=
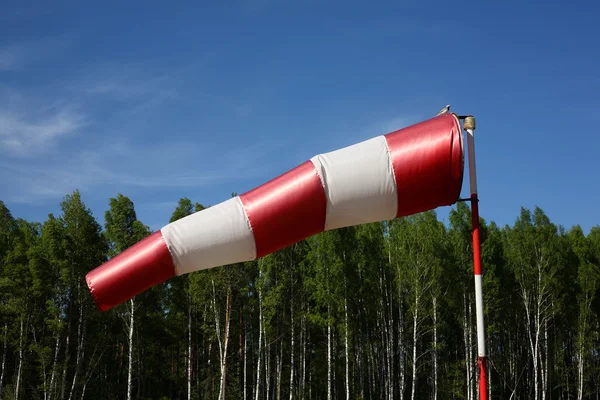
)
(67, 359)
(401, 347)
(225, 346)
(92, 366)
(580, 372)
(545, 365)
(267, 364)
(4, 350)
(43, 375)
(582, 325)
(390, 344)
(130, 338)
(328, 353)
(303, 363)
(533, 337)
(245, 366)
(473, 366)
(346, 350)
(468, 361)
(279, 368)
(435, 359)
(80, 350)
(189, 352)
(18, 380)
(260, 330)
(414, 357)
(292, 364)
(54, 365)
(223, 343)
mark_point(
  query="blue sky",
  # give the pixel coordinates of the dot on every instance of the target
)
(161, 100)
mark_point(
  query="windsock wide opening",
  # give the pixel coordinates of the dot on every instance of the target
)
(428, 162)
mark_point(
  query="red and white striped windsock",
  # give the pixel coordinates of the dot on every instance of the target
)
(405, 172)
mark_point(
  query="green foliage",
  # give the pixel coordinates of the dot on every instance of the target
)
(123, 229)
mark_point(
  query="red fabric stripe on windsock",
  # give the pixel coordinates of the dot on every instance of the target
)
(141, 266)
(428, 162)
(286, 209)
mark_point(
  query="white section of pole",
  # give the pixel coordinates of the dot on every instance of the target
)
(479, 311)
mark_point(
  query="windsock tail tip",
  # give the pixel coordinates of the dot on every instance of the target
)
(133, 271)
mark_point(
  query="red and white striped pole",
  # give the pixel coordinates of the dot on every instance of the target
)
(469, 127)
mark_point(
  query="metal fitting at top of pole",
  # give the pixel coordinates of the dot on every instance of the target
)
(469, 126)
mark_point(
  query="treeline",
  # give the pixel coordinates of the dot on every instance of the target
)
(378, 311)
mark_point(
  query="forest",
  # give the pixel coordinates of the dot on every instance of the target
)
(378, 311)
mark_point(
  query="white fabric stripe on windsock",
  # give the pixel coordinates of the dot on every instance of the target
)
(359, 184)
(218, 235)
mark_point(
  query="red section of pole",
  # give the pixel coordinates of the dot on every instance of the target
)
(483, 394)
(475, 229)
(481, 360)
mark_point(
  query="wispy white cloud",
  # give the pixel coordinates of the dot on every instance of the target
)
(129, 89)
(11, 57)
(124, 167)
(16, 56)
(125, 82)
(46, 155)
(23, 134)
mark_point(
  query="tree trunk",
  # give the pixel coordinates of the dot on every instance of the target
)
(533, 341)
(18, 382)
(371, 367)
(303, 363)
(414, 357)
(580, 358)
(310, 371)
(245, 366)
(260, 330)
(93, 364)
(328, 353)
(241, 350)
(80, 349)
(267, 365)
(472, 365)
(201, 350)
(130, 338)
(4, 350)
(546, 356)
(401, 347)
(467, 339)
(292, 364)
(189, 352)
(435, 360)
(67, 357)
(390, 346)
(224, 345)
(346, 349)
(279, 368)
(54, 364)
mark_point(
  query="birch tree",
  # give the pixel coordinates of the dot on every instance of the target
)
(534, 256)
(123, 230)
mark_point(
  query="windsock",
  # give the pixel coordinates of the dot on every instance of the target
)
(411, 170)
